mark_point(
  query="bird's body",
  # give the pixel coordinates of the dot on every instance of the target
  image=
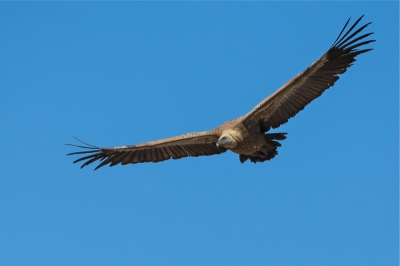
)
(247, 140)
(246, 135)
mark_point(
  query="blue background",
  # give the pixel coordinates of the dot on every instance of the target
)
(128, 72)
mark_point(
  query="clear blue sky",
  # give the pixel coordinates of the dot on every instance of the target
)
(127, 72)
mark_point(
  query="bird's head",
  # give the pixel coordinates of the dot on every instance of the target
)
(226, 141)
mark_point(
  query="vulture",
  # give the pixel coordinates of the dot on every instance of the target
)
(245, 135)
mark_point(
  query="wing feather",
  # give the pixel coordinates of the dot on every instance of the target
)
(192, 144)
(292, 97)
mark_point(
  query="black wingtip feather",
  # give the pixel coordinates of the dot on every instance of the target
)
(345, 25)
(82, 152)
(340, 38)
(341, 42)
(94, 151)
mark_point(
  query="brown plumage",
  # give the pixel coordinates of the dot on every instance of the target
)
(246, 135)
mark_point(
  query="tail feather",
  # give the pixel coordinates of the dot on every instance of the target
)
(272, 144)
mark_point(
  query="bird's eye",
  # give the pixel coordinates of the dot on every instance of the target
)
(224, 138)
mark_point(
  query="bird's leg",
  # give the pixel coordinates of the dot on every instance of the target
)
(264, 150)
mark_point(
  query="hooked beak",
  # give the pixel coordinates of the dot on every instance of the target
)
(217, 144)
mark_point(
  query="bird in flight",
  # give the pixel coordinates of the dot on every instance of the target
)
(245, 135)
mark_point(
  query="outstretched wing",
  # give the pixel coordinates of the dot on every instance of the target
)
(191, 144)
(292, 97)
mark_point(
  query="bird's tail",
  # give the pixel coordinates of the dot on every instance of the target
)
(268, 151)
